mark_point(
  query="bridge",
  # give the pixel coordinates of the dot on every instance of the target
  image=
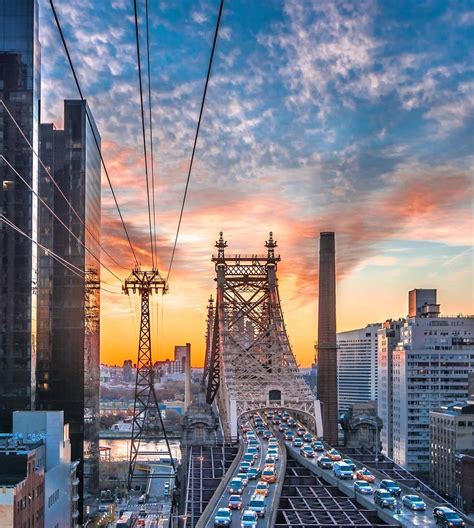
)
(252, 380)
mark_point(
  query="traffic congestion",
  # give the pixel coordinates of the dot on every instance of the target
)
(410, 509)
(249, 498)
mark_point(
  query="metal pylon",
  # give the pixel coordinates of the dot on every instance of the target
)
(146, 410)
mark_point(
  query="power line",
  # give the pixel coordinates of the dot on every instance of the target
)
(151, 127)
(221, 6)
(145, 157)
(66, 49)
(47, 251)
(48, 172)
(57, 217)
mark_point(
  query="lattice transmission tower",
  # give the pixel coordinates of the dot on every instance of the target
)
(147, 418)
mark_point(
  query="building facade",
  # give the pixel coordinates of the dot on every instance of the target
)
(357, 379)
(69, 299)
(22, 487)
(20, 90)
(451, 432)
(431, 365)
(388, 337)
(464, 468)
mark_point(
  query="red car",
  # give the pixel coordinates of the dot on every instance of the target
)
(365, 474)
(235, 502)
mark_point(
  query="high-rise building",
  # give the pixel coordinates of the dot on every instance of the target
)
(357, 378)
(68, 351)
(388, 339)
(451, 432)
(127, 371)
(431, 365)
(20, 90)
(327, 346)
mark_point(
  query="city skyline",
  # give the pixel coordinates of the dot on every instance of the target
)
(403, 154)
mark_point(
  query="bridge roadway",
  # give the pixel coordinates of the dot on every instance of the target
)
(406, 517)
(249, 490)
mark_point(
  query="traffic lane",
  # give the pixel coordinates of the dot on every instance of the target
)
(249, 490)
(162, 476)
(224, 499)
(407, 516)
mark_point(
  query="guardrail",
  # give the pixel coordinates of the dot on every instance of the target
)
(206, 514)
(279, 488)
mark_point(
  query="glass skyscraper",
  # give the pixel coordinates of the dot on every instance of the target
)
(20, 90)
(69, 305)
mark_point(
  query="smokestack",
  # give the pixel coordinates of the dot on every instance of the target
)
(187, 377)
(327, 347)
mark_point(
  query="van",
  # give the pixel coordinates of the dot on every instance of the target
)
(342, 470)
(142, 499)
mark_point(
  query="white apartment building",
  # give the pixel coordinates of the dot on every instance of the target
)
(388, 337)
(431, 364)
(357, 379)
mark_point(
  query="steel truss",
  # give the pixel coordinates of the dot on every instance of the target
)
(147, 418)
(250, 363)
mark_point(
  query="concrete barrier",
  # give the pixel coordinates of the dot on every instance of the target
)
(279, 486)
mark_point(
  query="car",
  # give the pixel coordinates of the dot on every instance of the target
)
(236, 486)
(249, 519)
(140, 522)
(267, 435)
(243, 477)
(307, 437)
(300, 431)
(325, 462)
(297, 442)
(223, 517)
(248, 457)
(391, 486)
(341, 470)
(273, 453)
(307, 451)
(318, 446)
(334, 455)
(141, 512)
(447, 517)
(363, 487)
(285, 417)
(268, 475)
(260, 430)
(142, 499)
(235, 502)
(262, 488)
(414, 502)
(272, 445)
(350, 463)
(254, 443)
(257, 504)
(270, 462)
(253, 451)
(276, 420)
(365, 474)
(289, 435)
(283, 427)
(253, 473)
(244, 467)
(384, 499)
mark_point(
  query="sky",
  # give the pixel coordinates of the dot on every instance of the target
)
(349, 116)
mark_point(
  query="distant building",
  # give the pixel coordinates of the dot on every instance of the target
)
(464, 469)
(20, 74)
(430, 369)
(357, 379)
(69, 314)
(22, 489)
(388, 338)
(451, 432)
(127, 371)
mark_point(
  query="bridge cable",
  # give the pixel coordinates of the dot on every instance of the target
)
(71, 65)
(216, 33)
